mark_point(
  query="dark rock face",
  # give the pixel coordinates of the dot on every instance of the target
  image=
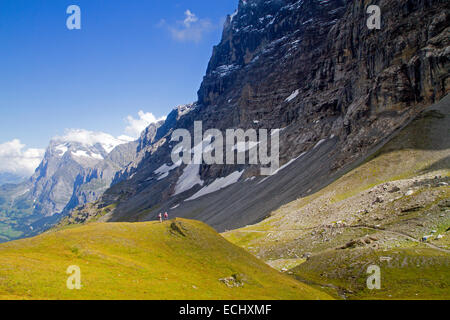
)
(152, 138)
(312, 68)
(359, 83)
(148, 135)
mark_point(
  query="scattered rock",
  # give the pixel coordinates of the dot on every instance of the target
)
(378, 200)
(307, 255)
(177, 227)
(360, 242)
(234, 281)
(412, 209)
(395, 189)
(348, 245)
(387, 259)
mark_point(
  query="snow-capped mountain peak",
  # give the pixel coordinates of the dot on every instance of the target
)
(90, 139)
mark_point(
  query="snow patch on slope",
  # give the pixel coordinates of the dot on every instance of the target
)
(61, 149)
(319, 143)
(218, 184)
(293, 95)
(164, 170)
(189, 179)
(85, 154)
(283, 167)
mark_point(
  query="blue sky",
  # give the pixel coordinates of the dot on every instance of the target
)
(124, 59)
(129, 55)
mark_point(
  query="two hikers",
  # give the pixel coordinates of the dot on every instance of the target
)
(166, 217)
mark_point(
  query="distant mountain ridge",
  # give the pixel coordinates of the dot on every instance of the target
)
(73, 172)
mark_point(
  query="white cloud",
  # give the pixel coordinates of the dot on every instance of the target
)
(124, 137)
(191, 29)
(15, 158)
(90, 138)
(190, 18)
(136, 126)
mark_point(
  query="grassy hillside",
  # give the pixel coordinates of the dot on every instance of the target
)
(178, 259)
(382, 208)
(409, 273)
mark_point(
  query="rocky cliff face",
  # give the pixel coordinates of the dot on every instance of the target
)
(311, 68)
(349, 81)
(52, 184)
(94, 180)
